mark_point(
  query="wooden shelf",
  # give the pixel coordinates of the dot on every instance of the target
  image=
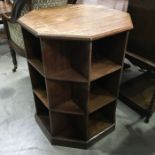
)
(103, 67)
(37, 64)
(69, 133)
(69, 107)
(44, 120)
(97, 123)
(142, 59)
(41, 94)
(98, 99)
(42, 115)
(69, 75)
(68, 126)
(139, 90)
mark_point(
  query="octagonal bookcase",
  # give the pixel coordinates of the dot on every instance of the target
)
(75, 66)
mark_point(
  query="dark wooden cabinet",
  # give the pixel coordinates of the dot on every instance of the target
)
(75, 79)
(141, 44)
(139, 92)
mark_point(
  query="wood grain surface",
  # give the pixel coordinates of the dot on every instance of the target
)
(79, 22)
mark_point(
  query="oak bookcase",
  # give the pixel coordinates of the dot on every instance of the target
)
(75, 84)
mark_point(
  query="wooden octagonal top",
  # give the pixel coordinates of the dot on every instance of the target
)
(78, 22)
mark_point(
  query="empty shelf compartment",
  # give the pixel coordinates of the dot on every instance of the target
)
(103, 67)
(37, 64)
(66, 60)
(42, 95)
(100, 121)
(65, 98)
(99, 98)
(68, 127)
(68, 107)
(42, 113)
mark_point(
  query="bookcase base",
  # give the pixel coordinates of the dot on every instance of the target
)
(73, 143)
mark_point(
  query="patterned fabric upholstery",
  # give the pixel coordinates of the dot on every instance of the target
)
(37, 4)
(15, 29)
(16, 34)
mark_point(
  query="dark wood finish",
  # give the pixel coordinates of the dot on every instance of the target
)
(42, 125)
(96, 125)
(141, 90)
(141, 38)
(68, 107)
(80, 143)
(98, 99)
(68, 126)
(142, 59)
(140, 51)
(41, 94)
(77, 81)
(42, 113)
(37, 64)
(69, 68)
(151, 107)
(103, 67)
(66, 92)
(103, 91)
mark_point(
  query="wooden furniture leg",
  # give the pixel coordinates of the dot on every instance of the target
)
(149, 112)
(14, 60)
(126, 66)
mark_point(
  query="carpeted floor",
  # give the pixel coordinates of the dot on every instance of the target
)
(20, 134)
